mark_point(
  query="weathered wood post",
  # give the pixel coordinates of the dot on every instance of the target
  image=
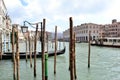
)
(26, 49)
(43, 51)
(32, 43)
(89, 50)
(71, 50)
(13, 54)
(35, 45)
(41, 36)
(17, 55)
(69, 57)
(30, 51)
(55, 50)
(75, 57)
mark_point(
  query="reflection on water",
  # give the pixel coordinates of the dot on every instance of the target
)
(104, 65)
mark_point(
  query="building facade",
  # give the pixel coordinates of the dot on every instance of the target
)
(66, 35)
(97, 31)
(82, 32)
(5, 28)
(114, 29)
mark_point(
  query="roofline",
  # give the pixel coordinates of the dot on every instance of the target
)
(4, 4)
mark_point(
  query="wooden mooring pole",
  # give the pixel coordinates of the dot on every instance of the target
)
(35, 50)
(32, 43)
(75, 57)
(13, 54)
(55, 50)
(71, 50)
(69, 57)
(30, 51)
(26, 49)
(89, 50)
(17, 55)
(43, 51)
(41, 36)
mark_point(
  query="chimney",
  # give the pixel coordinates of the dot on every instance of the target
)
(114, 21)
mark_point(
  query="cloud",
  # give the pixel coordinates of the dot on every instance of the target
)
(57, 12)
(24, 2)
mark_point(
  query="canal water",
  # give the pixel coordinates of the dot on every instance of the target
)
(105, 65)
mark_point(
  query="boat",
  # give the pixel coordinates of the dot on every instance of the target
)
(107, 42)
(8, 55)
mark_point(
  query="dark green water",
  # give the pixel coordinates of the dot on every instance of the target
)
(105, 65)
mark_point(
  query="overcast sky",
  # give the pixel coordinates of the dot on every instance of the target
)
(57, 12)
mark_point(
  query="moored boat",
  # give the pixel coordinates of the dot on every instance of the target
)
(8, 55)
(107, 42)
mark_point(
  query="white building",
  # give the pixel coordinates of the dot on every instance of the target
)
(5, 28)
(82, 32)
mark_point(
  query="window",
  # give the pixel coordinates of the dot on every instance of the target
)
(119, 41)
(90, 26)
(114, 40)
(110, 40)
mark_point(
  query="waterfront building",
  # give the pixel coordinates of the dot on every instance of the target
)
(8, 30)
(82, 32)
(5, 28)
(113, 30)
(97, 31)
(66, 35)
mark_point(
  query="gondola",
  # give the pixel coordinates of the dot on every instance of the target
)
(8, 55)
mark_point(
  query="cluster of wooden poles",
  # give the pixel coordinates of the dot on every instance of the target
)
(72, 55)
(15, 56)
(16, 62)
(16, 74)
